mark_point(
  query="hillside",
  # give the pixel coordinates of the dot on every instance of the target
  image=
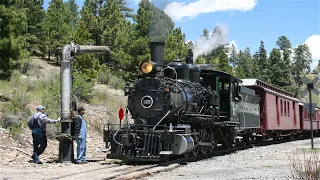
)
(315, 98)
(27, 91)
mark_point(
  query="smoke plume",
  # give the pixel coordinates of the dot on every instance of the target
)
(215, 39)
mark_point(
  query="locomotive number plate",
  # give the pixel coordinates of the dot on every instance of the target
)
(146, 101)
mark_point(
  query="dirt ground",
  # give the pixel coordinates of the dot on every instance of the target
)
(15, 157)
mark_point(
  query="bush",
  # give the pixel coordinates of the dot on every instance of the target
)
(15, 131)
(117, 83)
(51, 97)
(26, 66)
(14, 123)
(104, 74)
(308, 168)
(82, 86)
(107, 77)
(19, 96)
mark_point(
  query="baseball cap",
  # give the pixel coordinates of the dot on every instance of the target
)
(40, 107)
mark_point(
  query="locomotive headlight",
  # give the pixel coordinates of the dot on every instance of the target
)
(146, 66)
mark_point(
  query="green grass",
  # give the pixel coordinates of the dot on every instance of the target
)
(268, 166)
(112, 105)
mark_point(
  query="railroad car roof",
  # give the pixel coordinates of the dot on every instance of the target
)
(302, 103)
(269, 88)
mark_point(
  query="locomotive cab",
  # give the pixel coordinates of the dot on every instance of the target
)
(226, 87)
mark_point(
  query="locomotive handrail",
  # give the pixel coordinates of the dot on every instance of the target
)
(161, 120)
(176, 81)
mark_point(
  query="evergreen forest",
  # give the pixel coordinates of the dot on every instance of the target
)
(27, 30)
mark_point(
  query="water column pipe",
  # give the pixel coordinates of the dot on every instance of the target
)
(66, 153)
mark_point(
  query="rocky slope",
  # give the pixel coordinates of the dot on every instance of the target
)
(19, 149)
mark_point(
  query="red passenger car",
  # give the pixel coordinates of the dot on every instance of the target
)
(305, 120)
(279, 110)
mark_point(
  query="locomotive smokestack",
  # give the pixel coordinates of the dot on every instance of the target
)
(189, 59)
(157, 52)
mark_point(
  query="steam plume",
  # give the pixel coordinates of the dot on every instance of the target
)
(205, 45)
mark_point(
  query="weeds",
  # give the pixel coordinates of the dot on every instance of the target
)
(306, 167)
(15, 130)
(105, 76)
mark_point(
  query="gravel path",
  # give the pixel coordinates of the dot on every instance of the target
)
(259, 163)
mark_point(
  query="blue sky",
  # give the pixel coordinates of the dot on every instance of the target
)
(247, 21)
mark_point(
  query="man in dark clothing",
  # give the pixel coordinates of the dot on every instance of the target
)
(37, 123)
(81, 134)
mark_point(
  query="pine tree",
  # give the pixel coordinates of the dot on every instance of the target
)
(12, 42)
(89, 16)
(35, 36)
(161, 25)
(254, 69)
(301, 65)
(275, 68)
(285, 46)
(205, 34)
(263, 63)
(73, 8)
(175, 47)
(116, 34)
(244, 68)
(57, 25)
(233, 56)
(143, 19)
(127, 12)
(223, 61)
(85, 63)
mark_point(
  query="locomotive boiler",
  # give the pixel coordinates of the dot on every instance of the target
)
(181, 109)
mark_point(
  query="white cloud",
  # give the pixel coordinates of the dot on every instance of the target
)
(314, 45)
(178, 10)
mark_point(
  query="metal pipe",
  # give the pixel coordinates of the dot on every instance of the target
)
(70, 50)
(66, 73)
(66, 145)
(66, 83)
(81, 49)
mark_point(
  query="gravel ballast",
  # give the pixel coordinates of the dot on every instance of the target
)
(260, 163)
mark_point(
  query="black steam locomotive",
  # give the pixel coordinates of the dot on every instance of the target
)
(183, 109)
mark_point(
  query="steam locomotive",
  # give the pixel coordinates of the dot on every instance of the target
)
(183, 109)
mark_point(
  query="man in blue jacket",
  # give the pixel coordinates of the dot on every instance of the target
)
(81, 134)
(37, 123)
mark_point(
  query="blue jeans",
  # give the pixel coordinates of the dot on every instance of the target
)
(39, 145)
(81, 150)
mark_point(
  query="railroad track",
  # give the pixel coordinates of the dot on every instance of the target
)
(127, 171)
(116, 171)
